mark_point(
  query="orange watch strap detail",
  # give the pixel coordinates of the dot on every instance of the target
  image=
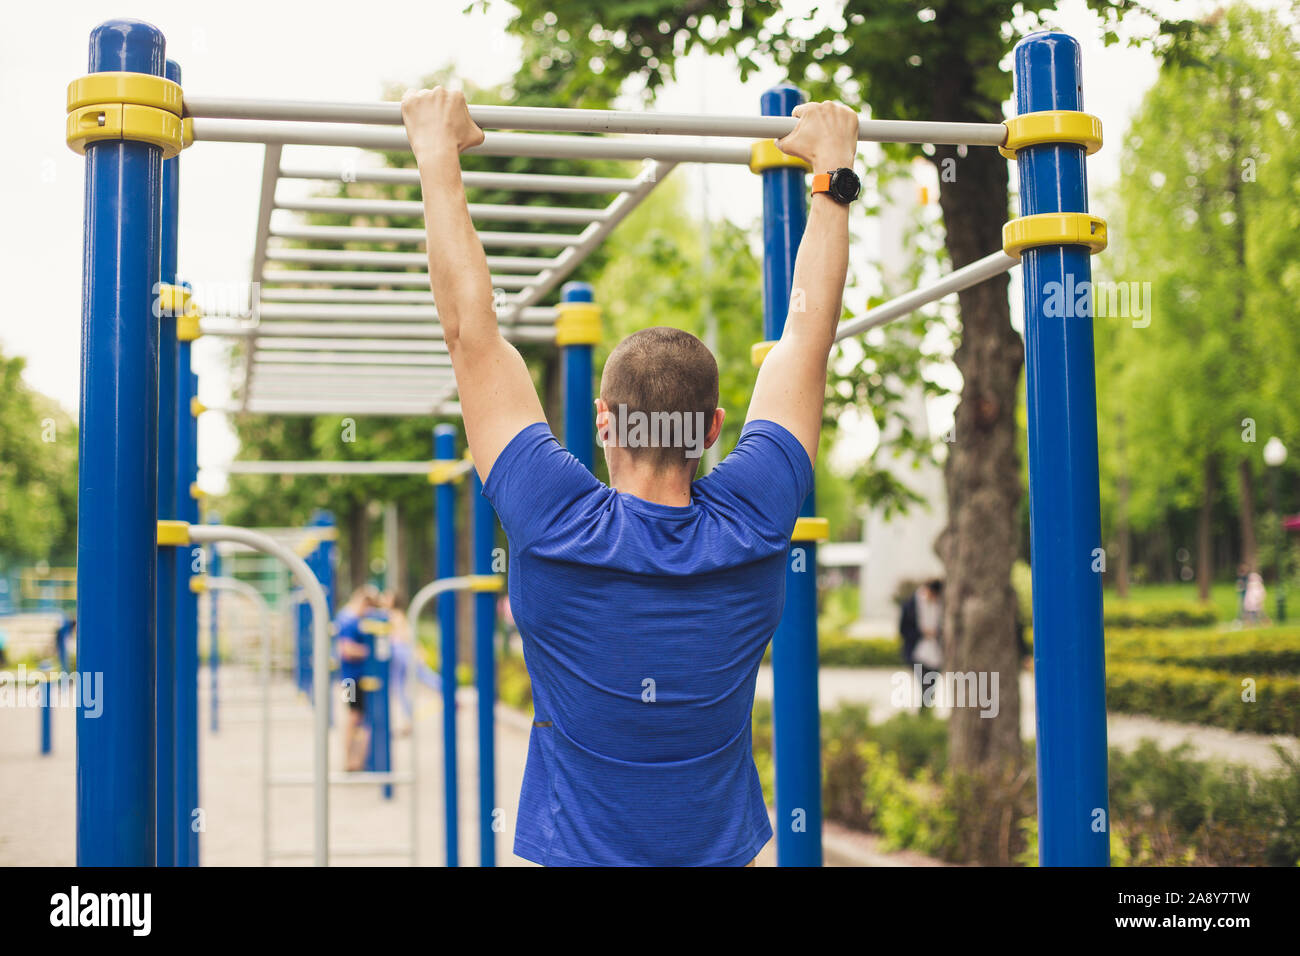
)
(821, 183)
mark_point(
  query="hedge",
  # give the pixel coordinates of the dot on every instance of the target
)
(1158, 614)
(1201, 696)
(1248, 653)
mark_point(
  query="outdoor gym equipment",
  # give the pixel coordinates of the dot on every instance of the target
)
(131, 119)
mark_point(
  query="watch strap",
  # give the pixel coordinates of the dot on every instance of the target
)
(821, 183)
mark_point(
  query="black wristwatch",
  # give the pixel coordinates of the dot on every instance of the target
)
(841, 184)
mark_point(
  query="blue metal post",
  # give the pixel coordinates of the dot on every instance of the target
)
(187, 618)
(214, 647)
(796, 720)
(1064, 509)
(117, 503)
(376, 671)
(579, 410)
(444, 449)
(485, 671)
(47, 704)
(169, 558)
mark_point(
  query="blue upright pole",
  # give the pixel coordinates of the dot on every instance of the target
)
(444, 449)
(796, 720)
(485, 672)
(117, 502)
(577, 332)
(169, 558)
(187, 619)
(214, 647)
(1064, 509)
(47, 703)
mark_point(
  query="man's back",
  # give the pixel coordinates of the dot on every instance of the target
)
(643, 628)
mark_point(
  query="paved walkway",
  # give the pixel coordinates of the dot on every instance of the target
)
(877, 687)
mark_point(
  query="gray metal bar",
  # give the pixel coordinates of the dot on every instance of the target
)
(490, 212)
(338, 277)
(597, 121)
(358, 257)
(513, 182)
(361, 313)
(522, 240)
(266, 203)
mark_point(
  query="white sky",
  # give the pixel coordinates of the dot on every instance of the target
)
(326, 50)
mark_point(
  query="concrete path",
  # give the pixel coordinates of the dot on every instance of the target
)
(887, 690)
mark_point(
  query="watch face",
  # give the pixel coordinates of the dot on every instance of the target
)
(845, 185)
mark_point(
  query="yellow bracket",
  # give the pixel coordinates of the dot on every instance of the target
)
(487, 582)
(173, 534)
(811, 529)
(307, 545)
(372, 626)
(765, 154)
(197, 408)
(199, 584)
(577, 324)
(1054, 229)
(187, 325)
(445, 472)
(1052, 126)
(326, 533)
(758, 351)
(369, 683)
(173, 300)
(126, 106)
(197, 493)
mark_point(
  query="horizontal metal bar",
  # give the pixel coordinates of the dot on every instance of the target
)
(379, 330)
(336, 407)
(652, 173)
(368, 359)
(535, 145)
(330, 468)
(512, 182)
(360, 313)
(598, 121)
(963, 278)
(490, 212)
(339, 277)
(358, 296)
(350, 376)
(522, 240)
(356, 346)
(359, 257)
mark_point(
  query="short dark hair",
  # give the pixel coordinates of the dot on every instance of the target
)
(935, 585)
(660, 371)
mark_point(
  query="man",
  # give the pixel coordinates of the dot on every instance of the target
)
(354, 648)
(644, 607)
(921, 627)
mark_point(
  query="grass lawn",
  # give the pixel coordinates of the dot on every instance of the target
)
(1223, 596)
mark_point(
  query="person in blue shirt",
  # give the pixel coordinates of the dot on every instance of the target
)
(354, 646)
(644, 606)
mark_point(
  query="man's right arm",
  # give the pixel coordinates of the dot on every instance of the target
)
(791, 385)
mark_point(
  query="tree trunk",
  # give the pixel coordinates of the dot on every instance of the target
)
(1204, 526)
(1249, 547)
(358, 521)
(982, 470)
(1122, 534)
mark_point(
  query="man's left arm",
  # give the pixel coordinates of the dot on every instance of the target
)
(496, 392)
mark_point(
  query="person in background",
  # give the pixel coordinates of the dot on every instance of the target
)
(1252, 603)
(1243, 579)
(403, 648)
(921, 628)
(354, 647)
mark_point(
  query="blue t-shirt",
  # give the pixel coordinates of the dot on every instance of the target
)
(348, 626)
(643, 627)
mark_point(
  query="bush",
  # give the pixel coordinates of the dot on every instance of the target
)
(1195, 695)
(514, 689)
(1158, 614)
(1268, 651)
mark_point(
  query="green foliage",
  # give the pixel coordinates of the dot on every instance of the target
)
(1121, 614)
(1198, 695)
(1246, 653)
(38, 473)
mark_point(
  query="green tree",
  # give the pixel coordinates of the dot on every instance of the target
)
(1208, 186)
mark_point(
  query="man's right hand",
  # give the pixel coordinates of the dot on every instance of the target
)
(826, 135)
(438, 118)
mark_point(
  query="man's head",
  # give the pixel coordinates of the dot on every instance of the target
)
(658, 406)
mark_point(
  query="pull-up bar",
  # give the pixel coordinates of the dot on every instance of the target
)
(556, 120)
